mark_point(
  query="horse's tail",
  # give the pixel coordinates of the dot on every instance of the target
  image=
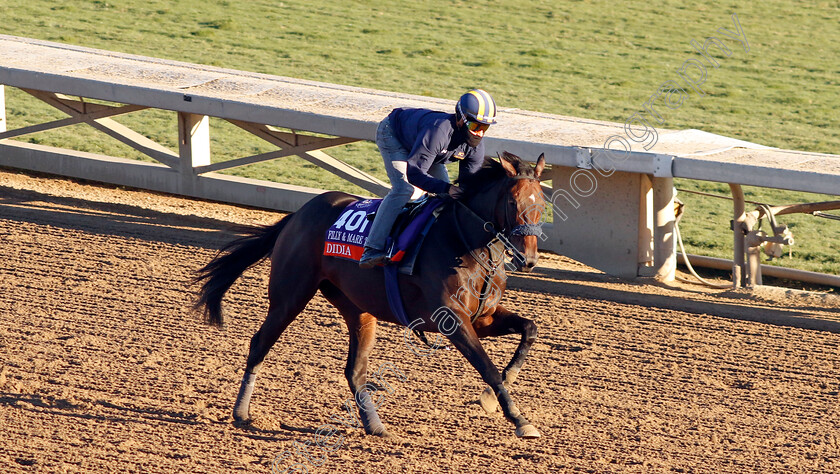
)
(231, 261)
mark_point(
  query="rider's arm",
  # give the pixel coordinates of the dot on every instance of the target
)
(428, 145)
(470, 165)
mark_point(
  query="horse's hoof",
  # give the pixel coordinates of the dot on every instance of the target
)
(242, 423)
(242, 419)
(380, 432)
(527, 431)
(488, 401)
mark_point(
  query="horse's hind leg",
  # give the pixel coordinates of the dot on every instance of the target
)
(503, 322)
(288, 296)
(362, 329)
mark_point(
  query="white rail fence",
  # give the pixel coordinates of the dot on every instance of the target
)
(613, 207)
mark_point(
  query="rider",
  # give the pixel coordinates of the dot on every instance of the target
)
(415, 144)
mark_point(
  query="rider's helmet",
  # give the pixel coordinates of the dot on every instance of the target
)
(477, 108)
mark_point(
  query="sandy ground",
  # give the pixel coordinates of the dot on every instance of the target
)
(103, 367)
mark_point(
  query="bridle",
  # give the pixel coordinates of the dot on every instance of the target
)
(521, 229)
(510, 227)
(496, 256)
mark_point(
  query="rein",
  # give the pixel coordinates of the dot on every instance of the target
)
(493, 263)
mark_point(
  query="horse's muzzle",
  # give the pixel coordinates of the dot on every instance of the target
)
(528, 265)
(524, 263)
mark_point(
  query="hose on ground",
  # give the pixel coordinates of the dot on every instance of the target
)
(690, 268)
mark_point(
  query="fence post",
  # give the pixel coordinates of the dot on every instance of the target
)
(2, 108)
(193, 147)
(647, 244)
(665, 243)
(739, 268)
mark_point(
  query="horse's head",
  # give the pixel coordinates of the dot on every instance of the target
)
(509, 190)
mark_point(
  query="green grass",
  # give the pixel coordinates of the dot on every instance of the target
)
(595, 59)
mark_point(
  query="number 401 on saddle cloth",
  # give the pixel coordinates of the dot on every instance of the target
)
(346, 237)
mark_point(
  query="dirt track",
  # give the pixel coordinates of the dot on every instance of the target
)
(104, 368)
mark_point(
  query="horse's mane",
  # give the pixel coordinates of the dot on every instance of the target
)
(492, 172)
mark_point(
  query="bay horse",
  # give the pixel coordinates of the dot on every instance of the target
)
(503, 200)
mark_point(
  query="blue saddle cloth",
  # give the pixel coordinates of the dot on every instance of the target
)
(347, 236)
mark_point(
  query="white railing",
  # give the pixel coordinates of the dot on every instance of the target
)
(613, 207)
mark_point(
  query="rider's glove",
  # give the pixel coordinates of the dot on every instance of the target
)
(455, 192)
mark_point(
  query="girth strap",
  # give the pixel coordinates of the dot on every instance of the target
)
(392, 291)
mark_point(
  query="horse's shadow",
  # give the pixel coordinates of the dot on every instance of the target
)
(59, 406)
(112, 219)
(257, 432)
(730, 305)
(62, 407)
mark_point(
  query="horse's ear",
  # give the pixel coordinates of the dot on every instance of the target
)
(505, 159)
(540, 165)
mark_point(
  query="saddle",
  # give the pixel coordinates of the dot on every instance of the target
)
(410, 229)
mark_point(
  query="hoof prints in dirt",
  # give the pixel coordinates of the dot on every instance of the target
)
(105, 368)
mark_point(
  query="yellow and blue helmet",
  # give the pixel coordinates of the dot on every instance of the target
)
(476, 106)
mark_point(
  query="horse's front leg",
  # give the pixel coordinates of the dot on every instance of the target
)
(503, 322)
(466, 341)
